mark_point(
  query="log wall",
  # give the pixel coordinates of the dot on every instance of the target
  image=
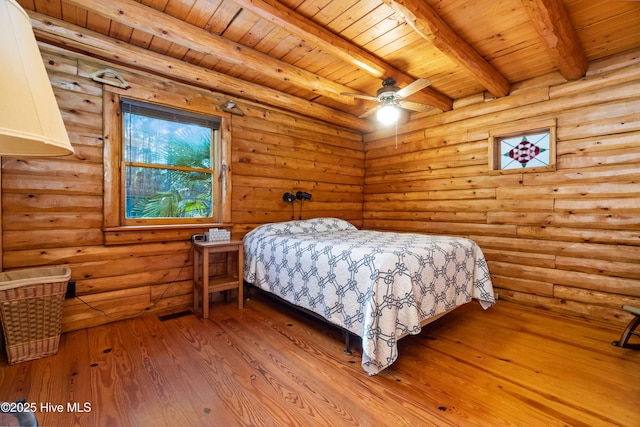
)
(567, 240)
(52, 209)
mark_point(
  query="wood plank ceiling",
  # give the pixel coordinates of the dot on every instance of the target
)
(301, 55)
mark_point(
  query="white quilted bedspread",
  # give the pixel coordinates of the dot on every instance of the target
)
(378, 285)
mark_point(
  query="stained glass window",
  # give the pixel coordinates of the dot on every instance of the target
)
(524, 151)
(516, 150)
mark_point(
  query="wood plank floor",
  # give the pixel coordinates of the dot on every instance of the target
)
(270, 366)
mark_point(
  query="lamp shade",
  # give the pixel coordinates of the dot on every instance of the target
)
(388, 114)
(30, 120)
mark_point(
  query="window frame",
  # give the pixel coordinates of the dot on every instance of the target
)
(520, 130)
(113, 160)
(151, 110)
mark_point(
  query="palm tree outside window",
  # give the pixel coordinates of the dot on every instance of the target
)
(169, 163)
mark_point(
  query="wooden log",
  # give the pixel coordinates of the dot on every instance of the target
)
(423, 19)
(34, 221)
(58, 63)
(21, 202)
(479, 205)
(58, 167)
(260, 195)
(68, 81)
(442, 228)
(553, 24)
(434, 181)
(594, 266)
(70, 100)
(296, 144)
(23, 183)
(573, 192)
(524, 258)
(606, 157)
(586, 176)
(163, 26)
(619, 75)
(616, 285)
(611, 252)
(626, 121)
(525, 286)
(271, 122)
(243, 183)
(284, 171)
(565, 306)
(26, 239)
(107, 303)
(474, 171)
(569, 219)
(297, 158)
(127, 281)
(129, 235)
(432, 216)
(431, 196)
(124, 266)
(245, 224)
(473, 153)
(586, 235)
(628, 205)
(277, 202)
(164, 291)
(64, 34)
(89, 313)
(87, 254)
(596, 298)
(616, 141)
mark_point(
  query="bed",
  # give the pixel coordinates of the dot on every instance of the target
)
(379, 286)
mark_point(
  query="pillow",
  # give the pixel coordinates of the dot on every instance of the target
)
(315, 225)
(255, 238)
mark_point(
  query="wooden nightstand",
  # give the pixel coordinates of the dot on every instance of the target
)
(203, 284)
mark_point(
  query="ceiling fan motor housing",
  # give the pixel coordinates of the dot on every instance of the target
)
(388, 90)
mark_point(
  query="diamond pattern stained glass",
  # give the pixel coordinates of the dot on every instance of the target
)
(525, 151)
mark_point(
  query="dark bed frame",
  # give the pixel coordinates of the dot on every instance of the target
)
(345, 333)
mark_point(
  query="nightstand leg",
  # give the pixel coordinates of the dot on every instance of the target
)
(240, 277)
(196, 268)
(205, 283)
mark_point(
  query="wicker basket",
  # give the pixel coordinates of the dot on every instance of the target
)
(31, 311)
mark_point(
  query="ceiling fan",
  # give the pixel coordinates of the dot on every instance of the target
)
(391, 97)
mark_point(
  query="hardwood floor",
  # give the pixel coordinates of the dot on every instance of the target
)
(269, 366)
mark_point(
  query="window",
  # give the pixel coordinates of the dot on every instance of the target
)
(164, 166)
(169, 158)
(532, 149)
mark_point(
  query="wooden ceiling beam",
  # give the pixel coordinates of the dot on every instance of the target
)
(552, 22)
(74, 38)
(166, 27)
(307, 30)
(426, 22)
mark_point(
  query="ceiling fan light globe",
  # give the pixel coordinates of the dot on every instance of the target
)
(388, 114)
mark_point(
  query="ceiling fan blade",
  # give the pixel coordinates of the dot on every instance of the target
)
(415, 106)
(413, 88)
(368, 113)
(358, 95)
